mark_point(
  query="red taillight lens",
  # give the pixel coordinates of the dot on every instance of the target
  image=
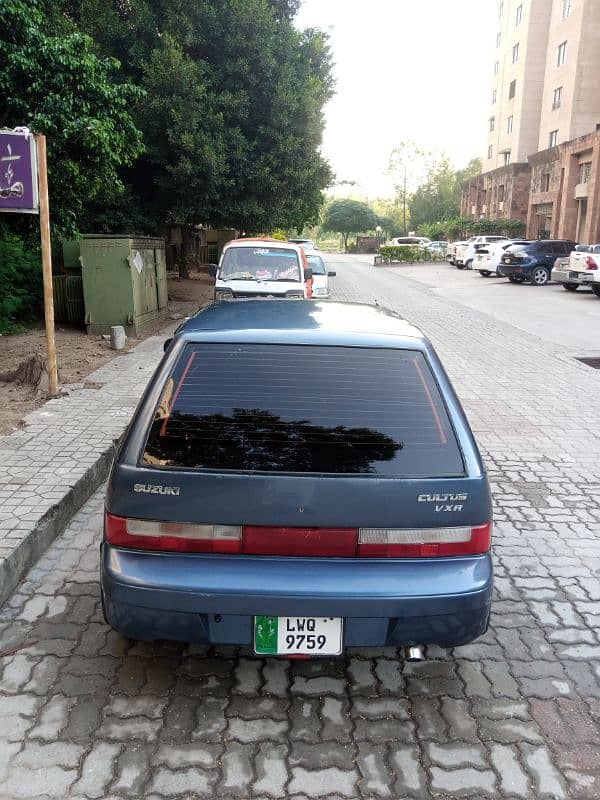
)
(423, 542)
(591, 264)
(333, 542)
(182, 537)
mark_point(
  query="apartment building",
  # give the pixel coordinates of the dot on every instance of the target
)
(543, 147)
(518, 71)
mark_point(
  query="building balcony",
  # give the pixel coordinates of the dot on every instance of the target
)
(581, 190)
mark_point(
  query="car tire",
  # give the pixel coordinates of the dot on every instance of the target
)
(596, 289)
(570, 287)
(459, 266)
(469, 264)
(539, 276)
(485, 273)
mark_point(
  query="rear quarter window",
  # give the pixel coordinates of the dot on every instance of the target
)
(303, 409)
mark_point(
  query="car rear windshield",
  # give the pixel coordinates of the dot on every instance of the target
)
(303, 409)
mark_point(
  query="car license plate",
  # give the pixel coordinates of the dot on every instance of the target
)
(506, 260)
(298, 635)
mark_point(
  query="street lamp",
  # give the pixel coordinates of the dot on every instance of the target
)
(378, 231)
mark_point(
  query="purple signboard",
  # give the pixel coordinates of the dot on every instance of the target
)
(18, 172)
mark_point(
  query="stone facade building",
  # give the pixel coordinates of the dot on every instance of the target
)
(564, 201)
(502, 193)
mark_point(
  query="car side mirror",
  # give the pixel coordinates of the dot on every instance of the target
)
(167, 344)
(212, 269)
(307, 273)
(331, 274)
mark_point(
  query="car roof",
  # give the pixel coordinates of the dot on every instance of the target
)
(253, 241)
(302, 322)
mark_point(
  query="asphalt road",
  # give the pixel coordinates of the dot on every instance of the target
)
(85, 713)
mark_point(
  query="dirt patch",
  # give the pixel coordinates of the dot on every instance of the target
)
(79, 354)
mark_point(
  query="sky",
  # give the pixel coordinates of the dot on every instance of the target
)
(405, 70)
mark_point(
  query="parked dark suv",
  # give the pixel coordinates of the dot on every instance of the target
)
(533, 262)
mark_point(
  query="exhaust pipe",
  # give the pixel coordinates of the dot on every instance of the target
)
(414, 652)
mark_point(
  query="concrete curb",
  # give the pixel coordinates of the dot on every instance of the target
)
(14, 567)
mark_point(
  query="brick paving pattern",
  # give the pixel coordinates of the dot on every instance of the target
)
(87, 714)
(48, 467)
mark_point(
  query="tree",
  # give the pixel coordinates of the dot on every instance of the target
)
(348, 216)
(52, 81)
(233, 117)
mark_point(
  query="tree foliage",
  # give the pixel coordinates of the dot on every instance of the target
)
(232, 119)
(348, 216)
(52, 81)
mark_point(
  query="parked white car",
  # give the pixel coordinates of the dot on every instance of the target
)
(307, 245)
(465, 255)
(582, 268)
(488, 257)
(419, 241)
(438, 248)
(451, 250)
(320, 276)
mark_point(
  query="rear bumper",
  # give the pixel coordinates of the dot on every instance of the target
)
(522, 270)
(204, 598)
(569, 276)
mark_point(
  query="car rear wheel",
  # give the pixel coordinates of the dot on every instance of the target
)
(539, 277)
(469, 264)
(596, 290)
(570, 287)
(459, 266)
(485, 273)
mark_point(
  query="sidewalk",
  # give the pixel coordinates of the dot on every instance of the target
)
(50, 468)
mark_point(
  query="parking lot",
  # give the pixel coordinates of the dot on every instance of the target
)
(87, 714)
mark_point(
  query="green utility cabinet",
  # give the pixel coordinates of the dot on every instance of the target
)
(124, 282)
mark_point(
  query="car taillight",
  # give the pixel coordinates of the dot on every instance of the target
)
(423, 542)
(186, 537)
(182, 537)
(591, 264)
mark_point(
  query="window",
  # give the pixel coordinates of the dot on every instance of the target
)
(498, 39)
(492, 123)
(509, 124)
(562, 54)
(501, 193)
(496, 67)
(261, 263)
(515, 53)
(585, 172)
(553, 139)
(242, 407)
(506, 155)
(545, 187)
(490, 151)
(500, 10)
(519, 16)
(567, 7)
(557, 98)
(494, 96)
(512, 89)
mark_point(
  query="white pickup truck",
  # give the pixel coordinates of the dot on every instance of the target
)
(582, 268)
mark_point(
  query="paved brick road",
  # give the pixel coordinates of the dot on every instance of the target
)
(86, 714)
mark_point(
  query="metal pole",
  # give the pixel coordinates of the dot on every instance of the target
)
(404, 200)
(47, 265)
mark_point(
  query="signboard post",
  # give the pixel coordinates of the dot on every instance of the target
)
(24, 190)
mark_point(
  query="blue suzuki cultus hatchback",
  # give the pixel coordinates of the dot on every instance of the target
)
(298, 478)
